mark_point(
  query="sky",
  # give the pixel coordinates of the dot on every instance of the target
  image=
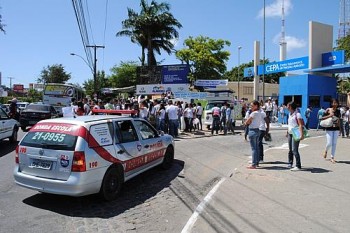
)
(41, 33)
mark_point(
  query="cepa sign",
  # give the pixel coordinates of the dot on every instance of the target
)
(281, 66)
(333, 58)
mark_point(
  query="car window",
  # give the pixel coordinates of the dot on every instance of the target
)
(38, 107)
(50, 140)
(3, 114)
(145, 130)
(101, 135)
(125, 131)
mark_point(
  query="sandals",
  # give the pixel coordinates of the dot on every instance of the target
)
(333, 160)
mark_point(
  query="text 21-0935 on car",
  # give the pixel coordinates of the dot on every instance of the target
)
(89, 154)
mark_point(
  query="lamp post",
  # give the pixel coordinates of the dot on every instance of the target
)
(74, 54)
(264, 41)
(239, 63)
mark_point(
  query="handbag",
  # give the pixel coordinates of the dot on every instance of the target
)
(326, 123)
(296, 133)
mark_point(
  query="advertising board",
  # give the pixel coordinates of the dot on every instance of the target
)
(172, 74)
(158, 89)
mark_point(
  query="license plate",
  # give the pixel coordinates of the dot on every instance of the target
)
(41, 164)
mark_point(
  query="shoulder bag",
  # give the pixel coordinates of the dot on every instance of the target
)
(326, 123)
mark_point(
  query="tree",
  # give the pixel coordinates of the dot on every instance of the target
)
(153, 29)
(269, 78)
(2, 25)
(54, 74)
(102, 82)
(205, 56)
(34, 95)
(344, 44)
(124, 75)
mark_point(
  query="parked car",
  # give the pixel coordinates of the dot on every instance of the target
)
(34, 113)
(8, 127)
(5, 107)
(22, 105)
(84, 155)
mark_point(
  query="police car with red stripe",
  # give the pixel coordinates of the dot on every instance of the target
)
(89, 154)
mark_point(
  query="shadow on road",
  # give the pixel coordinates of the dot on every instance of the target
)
(135, 192)
(6, 147)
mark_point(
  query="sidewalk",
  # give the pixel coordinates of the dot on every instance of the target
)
(275, 199)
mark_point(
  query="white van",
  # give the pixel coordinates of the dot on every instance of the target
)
(89, 154)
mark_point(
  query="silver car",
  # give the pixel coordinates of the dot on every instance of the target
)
(89, 154)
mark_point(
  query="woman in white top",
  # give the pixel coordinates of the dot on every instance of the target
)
(254, 121)
(294, 120)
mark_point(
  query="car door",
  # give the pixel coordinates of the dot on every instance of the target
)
(127, 146)
(152, 145)
(6, 125)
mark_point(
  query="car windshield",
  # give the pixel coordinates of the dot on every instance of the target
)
(50, 140)
(38, 107)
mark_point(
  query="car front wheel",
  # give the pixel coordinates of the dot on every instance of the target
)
(168, 158)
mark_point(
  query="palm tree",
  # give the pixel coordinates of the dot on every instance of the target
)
(2, 25)
(153, 29)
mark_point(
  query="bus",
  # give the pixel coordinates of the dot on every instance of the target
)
(60, 95)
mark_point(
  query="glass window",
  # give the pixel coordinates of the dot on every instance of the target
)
(125, 132)
(3, 114)
(145, 130)
(50, 140)
(102, 134)
(314, 101)
(295, 98)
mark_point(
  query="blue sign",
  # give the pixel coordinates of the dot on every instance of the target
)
(283, 66)
(333, 58)
(211, 83)
(175, 74)
(248, 72)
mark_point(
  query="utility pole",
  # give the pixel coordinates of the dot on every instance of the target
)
(95, 65)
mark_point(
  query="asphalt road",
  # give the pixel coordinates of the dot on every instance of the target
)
(177, 200)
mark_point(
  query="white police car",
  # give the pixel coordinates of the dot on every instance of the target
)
(89, 154)
(8, 127)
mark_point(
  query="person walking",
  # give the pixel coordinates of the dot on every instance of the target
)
(215, 111)
(294, 120)
(307, 116)
(264, 128)
(199, 113)
(172, 111)
(332, 132)
(253, 122)
(346, 119)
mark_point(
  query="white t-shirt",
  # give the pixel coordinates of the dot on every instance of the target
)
(256, 115)
(199, 110)
(262, 121)
(172, 112)
(292, 121)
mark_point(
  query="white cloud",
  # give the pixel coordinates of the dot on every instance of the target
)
(275, 9)
(292, 42)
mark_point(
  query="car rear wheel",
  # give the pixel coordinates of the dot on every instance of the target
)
(168, 158)
(111, 184)
(14, 135)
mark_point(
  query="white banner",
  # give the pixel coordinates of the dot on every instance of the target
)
(153, 89)
(211, 83)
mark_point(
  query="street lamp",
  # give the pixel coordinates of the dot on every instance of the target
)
(239, 63)
(73, 54)
(264, 41)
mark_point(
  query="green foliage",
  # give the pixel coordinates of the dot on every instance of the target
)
(269, 78)
(34, 95)
(124, 75)
(206, 57)
(2, 25)
(344, 44)
(153, 29)
(344, 86)
(54, 74)
(102, 82)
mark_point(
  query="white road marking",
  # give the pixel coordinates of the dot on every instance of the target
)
(200, 208)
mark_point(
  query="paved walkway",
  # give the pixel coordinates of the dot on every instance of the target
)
(275, 199)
